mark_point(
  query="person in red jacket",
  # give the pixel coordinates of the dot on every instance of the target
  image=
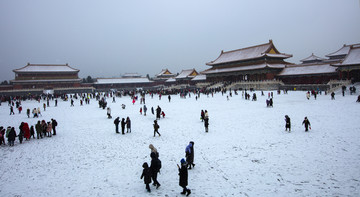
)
(26, 130)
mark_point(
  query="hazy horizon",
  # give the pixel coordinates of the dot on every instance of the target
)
(111, 38)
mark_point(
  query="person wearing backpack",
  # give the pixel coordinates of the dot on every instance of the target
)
(54, 124)
(155, 169)
(156, 128)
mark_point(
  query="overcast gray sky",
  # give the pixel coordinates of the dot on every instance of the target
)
(112, 37)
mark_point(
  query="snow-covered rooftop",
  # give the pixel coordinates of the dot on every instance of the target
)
(341, 52)
(46, 68)
(243, 68)
(190, 73)
(311, 58)
(199, 78)
(122, 80)
(172, 79)
(353, 58)
(249, 53)
(165, 73)
(308, 70)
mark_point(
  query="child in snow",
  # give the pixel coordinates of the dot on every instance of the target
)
(306, 122)
(147, 176)
(183, 177)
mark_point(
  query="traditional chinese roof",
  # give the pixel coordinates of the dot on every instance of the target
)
(171, 80)
(165, 73)
(191, 73)
(199, 78)
(122, 80)
(312, 58)
(46, 80)
(308, 70)
(263, 50)
(243, 68)
(343, 51)
(32, 68)
(352, 58)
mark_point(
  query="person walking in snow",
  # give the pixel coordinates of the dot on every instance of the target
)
(128, 125)
(12, 110)
(32, 132)
(116, 122)
(308, 95)
(183, 177)
(28, 112)
(287, 123)
(155, 169)
(306, 122)
(156, 128)
(123, 123)
(202, 115)
(38, 111)
(145, 109)
(152, 110)
(189, 154)
(358, 99)
(169, 97)
(49, 129)
(146, 174)
(72, 103)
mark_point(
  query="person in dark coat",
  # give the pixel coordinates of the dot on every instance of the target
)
(206, 124)
(183, 177)
(32, 131)
(12, 110)
(152, 110)
(54, 124)
(202, 115)
(11, 136)
(156, 128)
(287, 123)
(358, 99)
(332, 96)
(38, 129)
(128, 125)
(154, 169)
(28, 112)
(21, 132)
(146, 174)
(306, 122)
(116, 122)
(189, 154)
(2, 135)
(123, 123)
(158, 111)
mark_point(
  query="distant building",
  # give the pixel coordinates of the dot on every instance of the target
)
(186, 75)
(349, 68)
(341, 64)
(255, 63)
(122, 83)
(164, 75)
(46, 76)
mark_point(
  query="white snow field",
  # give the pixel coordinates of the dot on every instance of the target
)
(246, 152)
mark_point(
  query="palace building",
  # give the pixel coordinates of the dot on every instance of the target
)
(261, 62)
(46, 76)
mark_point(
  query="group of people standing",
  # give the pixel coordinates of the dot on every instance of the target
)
(42, 129)
(124, 123)
(204, 116)
(150, 173)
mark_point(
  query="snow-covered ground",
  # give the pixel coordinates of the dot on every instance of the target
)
(246, 152)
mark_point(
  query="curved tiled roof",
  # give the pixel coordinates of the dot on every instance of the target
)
(248, 53)
(242, 68)
(308, 70)
(312, 57)
(46, 68)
